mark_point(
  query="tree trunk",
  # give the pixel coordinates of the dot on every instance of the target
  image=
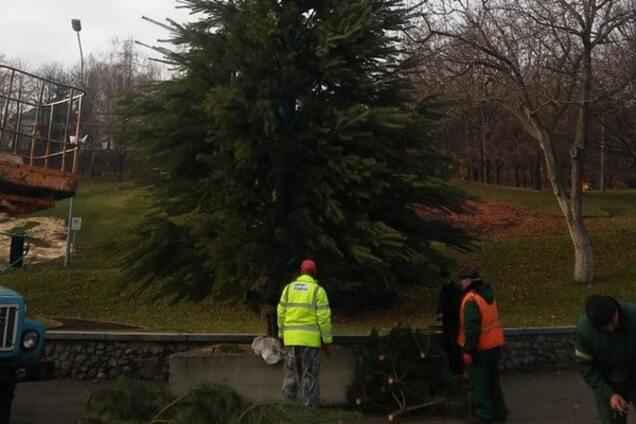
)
(488, 171)
(92, 162)
(583, 261)
(571, 204)
(485, 166)
(583, 258)
(583, 255)
(536, 183)
(498, 171)
(602, 183)
(469, 155)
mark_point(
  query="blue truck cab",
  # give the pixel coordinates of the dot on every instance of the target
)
(21, 342)
(21, 348)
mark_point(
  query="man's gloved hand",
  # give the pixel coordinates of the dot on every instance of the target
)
(439, 317)
(468, 359)
(326, 349)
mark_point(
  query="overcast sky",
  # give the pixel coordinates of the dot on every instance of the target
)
(39, 31)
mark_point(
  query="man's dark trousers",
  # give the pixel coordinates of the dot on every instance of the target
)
(486, 386)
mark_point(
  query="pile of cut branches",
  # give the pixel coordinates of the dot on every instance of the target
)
(402, 372)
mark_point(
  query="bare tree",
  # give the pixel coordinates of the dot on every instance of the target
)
(542, 54)
(108, 78)
(616, 116)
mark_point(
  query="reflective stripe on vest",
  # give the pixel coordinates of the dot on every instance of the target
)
(491, 333)
(311, 307)
(298, 305)
(313, 328)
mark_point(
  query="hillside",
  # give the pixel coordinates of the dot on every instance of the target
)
(524, 253)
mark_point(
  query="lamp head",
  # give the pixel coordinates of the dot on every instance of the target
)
(77, 25)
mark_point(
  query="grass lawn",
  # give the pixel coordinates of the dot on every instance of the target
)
(531, 274)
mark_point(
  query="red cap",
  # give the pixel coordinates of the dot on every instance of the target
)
(308, 267)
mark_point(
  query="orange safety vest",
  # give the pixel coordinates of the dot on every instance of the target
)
(491, 335)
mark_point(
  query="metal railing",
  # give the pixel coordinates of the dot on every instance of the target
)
(39, 121)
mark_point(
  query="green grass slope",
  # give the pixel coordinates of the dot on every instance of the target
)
(531, 274)
(91, 288)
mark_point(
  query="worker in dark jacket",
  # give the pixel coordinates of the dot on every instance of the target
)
(606, 355)
(450, 298)
(481, 338)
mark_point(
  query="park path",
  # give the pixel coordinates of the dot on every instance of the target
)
(550, 398)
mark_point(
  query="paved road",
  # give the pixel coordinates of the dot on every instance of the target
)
(556, 398)
(51, 402)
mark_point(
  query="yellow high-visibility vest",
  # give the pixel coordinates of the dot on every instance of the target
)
(304, 315)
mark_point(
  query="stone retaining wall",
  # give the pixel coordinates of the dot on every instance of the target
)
(535, 349)
(91, 355)
(88, 356)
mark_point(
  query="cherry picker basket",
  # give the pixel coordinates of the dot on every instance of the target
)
(39, 141)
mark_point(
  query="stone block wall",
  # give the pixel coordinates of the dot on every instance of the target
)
(102, 360)
(537, 349)
(99, 356)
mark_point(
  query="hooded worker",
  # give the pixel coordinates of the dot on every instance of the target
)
(304, 325)
(481, 337)
(450, 298)
(606, 355)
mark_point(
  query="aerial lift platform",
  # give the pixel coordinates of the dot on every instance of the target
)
(39, 141)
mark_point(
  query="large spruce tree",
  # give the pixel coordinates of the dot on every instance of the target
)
(290, 132)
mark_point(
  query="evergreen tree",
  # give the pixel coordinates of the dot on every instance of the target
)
(289, 132)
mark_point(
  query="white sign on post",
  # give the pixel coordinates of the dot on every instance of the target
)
(76, 223)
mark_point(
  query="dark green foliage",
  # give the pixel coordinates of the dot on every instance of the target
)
(124, 402)
(403, 369)
(209, 404)
(135, 402)
(290, 132)
(165, 251)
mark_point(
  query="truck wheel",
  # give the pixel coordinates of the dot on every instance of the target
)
(6, 398)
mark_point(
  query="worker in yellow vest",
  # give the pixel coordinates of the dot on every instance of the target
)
(481, 338)
(304, 326)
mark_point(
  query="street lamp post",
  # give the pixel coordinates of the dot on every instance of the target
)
(77, 27)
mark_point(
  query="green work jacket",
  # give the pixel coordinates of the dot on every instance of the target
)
(304, 316)
(607, 361)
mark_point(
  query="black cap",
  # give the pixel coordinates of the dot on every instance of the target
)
(600, 310)
(471, 273)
